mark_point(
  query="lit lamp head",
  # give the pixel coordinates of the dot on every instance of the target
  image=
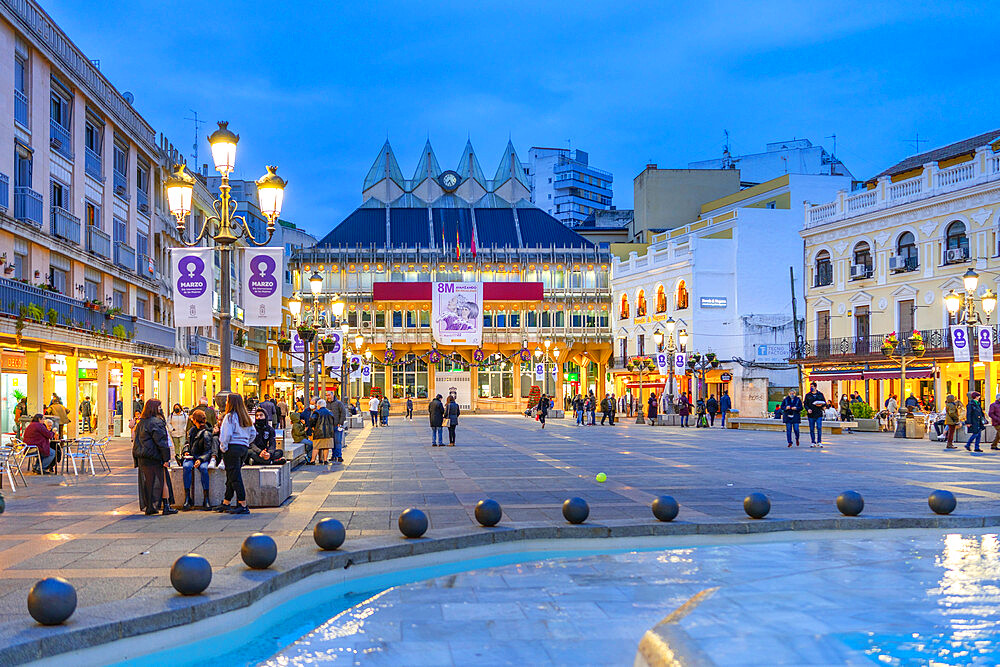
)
(547, 343)
(270, 194)
(295, 305)
(682, 337)
(337, 307)
(538, 353)
(368, 354)
(971, 280)
(344, 328)
(671, 325)
(989, 302)
(952, 301)
(316, 283)
(658, 337)
(179, 186)
(223, 143)
(359, 340)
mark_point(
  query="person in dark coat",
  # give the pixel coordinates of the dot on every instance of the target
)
(791, 414)
(37, 434)
(436, 411)
(725, 406)
(815, 404)
(263, 448)
(151, 451)
(543, 409)
(652, 404)
(712, 405)
(196, 454)
(270, 409)
(975, 421)
(684, 410)
(451, 413)
(607, 409)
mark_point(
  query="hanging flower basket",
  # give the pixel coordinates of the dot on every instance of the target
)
(284, 344)
(888, 348)
(329, 344)
(306, 333)
(434, 356)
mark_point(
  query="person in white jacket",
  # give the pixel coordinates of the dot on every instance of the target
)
(235, 435)
(373, 410)
(176, 425)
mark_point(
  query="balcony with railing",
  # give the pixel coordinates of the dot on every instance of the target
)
(210, 347)
(98, 242)
(60, 140)
(93, 164)
(4, 191)
(142, 202)
(124, 256)
(69, 312)
(65, 225)
(144, 266)
(27, 205)
(886, 194)
(862, 347)
(152, 333)
(21, 109)
(120, 181)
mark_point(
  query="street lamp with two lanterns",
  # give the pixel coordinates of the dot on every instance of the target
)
(970, 316)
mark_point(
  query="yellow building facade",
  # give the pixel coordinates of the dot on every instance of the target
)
(880, 260)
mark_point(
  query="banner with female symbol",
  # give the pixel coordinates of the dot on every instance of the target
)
(985, 336)
(193, 279)
(960, 342)
(663, 363)
(263, 271)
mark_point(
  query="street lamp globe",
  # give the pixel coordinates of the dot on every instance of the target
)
(671, 325)
(295, 305)
(359, 340)
(989, 302)
(337, 307)
(271, 193)
(538, 353)
(368, 354)
(971, 280)
(658, 337)
(548, 343)
(223, 143)
(682, 337)
(180, 187)
(316, 283)
(952, 301)
(344, 328)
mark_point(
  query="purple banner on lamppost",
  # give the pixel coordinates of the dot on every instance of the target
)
(192, 274)
(262, 272)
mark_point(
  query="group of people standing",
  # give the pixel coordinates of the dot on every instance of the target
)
(585, 408)
(974, 419)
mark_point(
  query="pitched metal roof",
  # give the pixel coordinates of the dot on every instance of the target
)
(468, 165)
(428, 166)
(943, 153)
(510, 167)
(385, 166)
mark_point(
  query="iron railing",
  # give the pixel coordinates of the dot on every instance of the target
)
(4, 191)
(864, 346)
(98, 242)
(93, 164)
(21, 109)
(69, 312)
(120, 181)
(27, 205)
(124, 256)
(142, 201)
(155, 334)
(65, 225)
(60, 139)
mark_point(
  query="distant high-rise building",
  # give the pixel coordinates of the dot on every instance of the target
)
(565, 185)
(797, 156)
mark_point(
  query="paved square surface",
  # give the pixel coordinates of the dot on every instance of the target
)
(89, 530)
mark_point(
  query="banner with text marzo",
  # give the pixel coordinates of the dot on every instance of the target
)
(960, 342)
(193, 279)
(984, 334)
(263, 271)
(457, 313)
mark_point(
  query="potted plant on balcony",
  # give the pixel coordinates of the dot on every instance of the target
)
(284, 343)
(306, 332)
(889, 344)
(111, 312)
(52, 316)
(328, 343)
(917, 344)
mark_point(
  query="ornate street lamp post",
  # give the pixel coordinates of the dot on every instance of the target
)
(642, 365)
(225, 228)
(912, 347)
(970, 316)
(701, 363)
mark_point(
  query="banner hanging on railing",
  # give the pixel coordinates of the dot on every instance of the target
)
(984, 335)
(960, 342)
(263, 270)
(457, 313)
(193, 279)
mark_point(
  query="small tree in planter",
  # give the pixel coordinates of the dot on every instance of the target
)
(52, 316)
(306, 332)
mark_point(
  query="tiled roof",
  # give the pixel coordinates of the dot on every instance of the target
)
(951, 150)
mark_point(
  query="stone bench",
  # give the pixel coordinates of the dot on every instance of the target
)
(764, 424)
(266, 486)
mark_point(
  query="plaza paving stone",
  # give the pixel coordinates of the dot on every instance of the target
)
(88, 529)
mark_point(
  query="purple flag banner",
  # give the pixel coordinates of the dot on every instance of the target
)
(263, 271)
(193, 281)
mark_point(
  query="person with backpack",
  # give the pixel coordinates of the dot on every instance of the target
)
(701, 421)
(791, 414)
(712, 406)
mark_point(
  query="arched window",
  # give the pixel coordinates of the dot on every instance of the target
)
(824, 269)
(861, 266)
(682, 296)
(640, 304)
(661, 299)
(623, 313)
(956, 243)
(906, 251)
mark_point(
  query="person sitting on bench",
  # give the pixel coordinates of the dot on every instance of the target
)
(263, 448)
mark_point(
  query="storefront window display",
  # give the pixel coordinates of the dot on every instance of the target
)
(410, 378)
(497, 379)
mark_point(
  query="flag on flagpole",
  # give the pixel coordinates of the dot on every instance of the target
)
(473, 244)
(458, 245)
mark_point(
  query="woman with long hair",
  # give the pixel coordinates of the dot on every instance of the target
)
(451, 413)
(196, 454)
(151, 451)
(235, 435)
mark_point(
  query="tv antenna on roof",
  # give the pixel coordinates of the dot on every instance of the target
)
(916, 141)
(197, 129)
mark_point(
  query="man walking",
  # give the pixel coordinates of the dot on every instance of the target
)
(712, 405)
(815, 403)
(606, 409)
(725, 406)
(614, 408)
(373, 410)
(592, 408)
(409, 408)
(436, 412)
(282, 408)
(791, 414)
(267, 405)
(86, 411)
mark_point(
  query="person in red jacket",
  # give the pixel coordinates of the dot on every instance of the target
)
(994, 415)
(37, 434)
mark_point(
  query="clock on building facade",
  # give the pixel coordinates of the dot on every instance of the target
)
(450, 181)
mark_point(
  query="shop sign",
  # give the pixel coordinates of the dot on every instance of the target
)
(726, 377)
(12, 362)
(771, 353)
(87, 373)
(714, 302)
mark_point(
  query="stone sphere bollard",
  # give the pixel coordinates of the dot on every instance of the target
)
(191, 574)
(665, 508)
(329, 534)
(488, 512)
(259, 551)
(412, 522)
(756, 505)
(575, 510)
(942, 502)
(850, 503)
(51, 601)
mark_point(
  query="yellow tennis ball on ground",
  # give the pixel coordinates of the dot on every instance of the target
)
(601, 477)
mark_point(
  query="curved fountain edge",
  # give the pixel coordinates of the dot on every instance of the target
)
(236, 587)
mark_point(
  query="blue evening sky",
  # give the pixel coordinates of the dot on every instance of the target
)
(315, 87)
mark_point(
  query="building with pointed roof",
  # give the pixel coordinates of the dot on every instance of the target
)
(541, 281)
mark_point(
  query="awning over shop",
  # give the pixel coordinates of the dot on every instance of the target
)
(882, 373)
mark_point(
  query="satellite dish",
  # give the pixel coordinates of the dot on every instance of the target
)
(129, 97)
